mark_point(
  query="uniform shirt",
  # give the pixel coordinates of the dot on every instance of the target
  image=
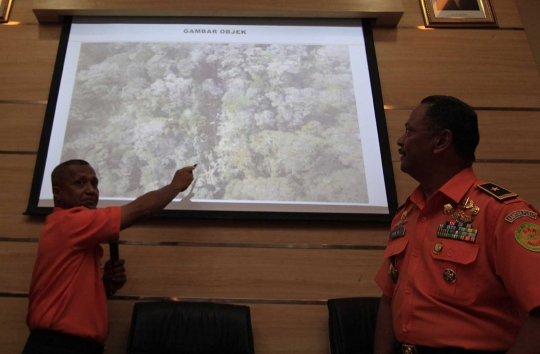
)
(67, 292)
(472, 293)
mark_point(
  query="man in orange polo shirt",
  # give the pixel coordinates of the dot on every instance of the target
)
(460, 273)
(67, 312)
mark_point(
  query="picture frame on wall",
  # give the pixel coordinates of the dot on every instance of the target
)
(458, 13)
(5, 10)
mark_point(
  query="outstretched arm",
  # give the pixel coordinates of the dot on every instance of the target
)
(153, 202)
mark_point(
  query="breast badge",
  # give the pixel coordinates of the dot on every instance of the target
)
(392, 270)
(399, 229)
(438, 248)
(461, 228)
(528, 235)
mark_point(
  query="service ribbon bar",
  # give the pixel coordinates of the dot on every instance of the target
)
(457, 231)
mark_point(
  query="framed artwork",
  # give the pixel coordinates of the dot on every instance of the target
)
(5, 10)
(458, 13)
(283, 117)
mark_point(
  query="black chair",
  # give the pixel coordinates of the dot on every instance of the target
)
(171, 327)
(352, 323)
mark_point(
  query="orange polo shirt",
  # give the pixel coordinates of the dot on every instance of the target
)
(67, 293)
(474, 292)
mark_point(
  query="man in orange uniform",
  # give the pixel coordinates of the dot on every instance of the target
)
(67, 310)
(460, 273)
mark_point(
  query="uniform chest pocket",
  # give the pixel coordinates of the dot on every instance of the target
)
(395, 247)
(454, 271)
(396, 250)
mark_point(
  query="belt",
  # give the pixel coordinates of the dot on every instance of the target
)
(418, 349)
(65, 341)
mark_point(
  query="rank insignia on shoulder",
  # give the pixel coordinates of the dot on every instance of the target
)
(519, 214)
(496, 191)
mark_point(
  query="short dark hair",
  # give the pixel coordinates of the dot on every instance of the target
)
(58, 172)
(447, 112)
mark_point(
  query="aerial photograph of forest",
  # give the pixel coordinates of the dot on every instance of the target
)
(264, 122)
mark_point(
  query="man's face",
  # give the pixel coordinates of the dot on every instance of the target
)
(77, 186)
(417, 144)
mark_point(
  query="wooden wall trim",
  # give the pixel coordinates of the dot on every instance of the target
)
(304, 246)
(242, 301)
(386, 13)
(223, 273)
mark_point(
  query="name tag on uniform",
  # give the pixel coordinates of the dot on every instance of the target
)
(399, 232)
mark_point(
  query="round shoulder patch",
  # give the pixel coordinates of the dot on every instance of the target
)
(528, 235)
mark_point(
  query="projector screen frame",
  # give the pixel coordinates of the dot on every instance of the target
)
(384, 149)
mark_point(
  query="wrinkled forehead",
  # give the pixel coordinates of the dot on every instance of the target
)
(73, 172)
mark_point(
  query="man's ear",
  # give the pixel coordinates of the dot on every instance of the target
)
(56, 194)
(444, 141)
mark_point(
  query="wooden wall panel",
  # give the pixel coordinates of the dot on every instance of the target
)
(277, 329)
(518, 178)
(267, 233)
(505, 10)
(22, 13)
(16, 178)
(18, 258)
(264, 233)
(506, 135)
(484, 68)
(13, 330)
(529, 11)
(507, 14)
(20, 126)
(503, 134)
(222, 272)
(27, 61)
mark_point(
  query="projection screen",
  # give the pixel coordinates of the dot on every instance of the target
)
(283, 117)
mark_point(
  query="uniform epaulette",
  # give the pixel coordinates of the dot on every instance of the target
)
(496, 191)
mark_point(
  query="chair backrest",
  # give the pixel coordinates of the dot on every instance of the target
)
(170, 327)
(351, 324)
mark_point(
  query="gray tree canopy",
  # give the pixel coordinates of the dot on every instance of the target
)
(263, 121)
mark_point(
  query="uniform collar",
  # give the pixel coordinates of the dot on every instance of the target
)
(455, 188)
(57, 210)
